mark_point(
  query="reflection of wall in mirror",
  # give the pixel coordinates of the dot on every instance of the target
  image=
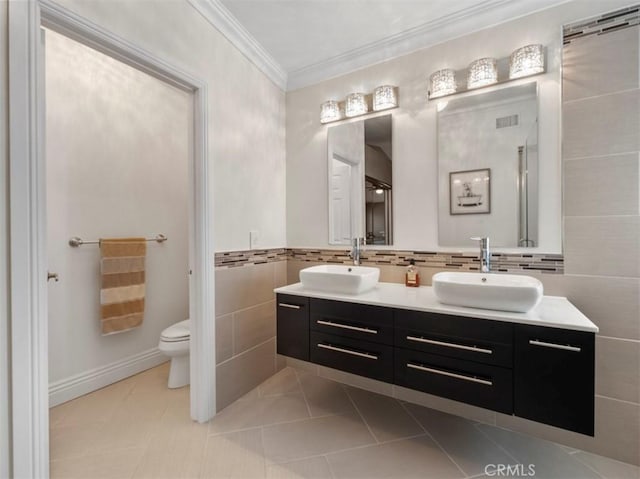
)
(469, 139)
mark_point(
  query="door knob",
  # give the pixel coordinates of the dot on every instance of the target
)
(53, 276)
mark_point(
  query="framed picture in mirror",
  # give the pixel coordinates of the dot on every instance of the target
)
(470, 192)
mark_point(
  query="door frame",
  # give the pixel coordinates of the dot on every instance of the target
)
(27, 210)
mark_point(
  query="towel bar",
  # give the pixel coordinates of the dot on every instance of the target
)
(76, 241)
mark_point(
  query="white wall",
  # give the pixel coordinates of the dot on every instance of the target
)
(414, 127)
(118, 149)
(246, 131)
(246, 112)
(5, 448)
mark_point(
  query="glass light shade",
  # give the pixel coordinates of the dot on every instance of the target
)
(356, 104)
(384, 97)
(443, 82)
(526, 61)
(482, 72)
(329, 111)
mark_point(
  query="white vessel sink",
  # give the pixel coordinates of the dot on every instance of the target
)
(334, 278)
(501, 292)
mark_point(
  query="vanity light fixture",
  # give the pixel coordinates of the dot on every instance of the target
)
(482, 72)
(356, 105)
(442, 82)
(384, 97)
(330, 111)
(525, 61)
(379, 191)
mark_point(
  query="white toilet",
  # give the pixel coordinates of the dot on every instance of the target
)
(175, 343)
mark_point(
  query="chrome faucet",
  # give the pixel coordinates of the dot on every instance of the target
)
(485, 255)
(356, 248)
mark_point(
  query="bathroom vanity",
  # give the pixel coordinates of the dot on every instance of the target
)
(537, 365)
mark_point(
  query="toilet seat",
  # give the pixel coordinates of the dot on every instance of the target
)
(177, 333)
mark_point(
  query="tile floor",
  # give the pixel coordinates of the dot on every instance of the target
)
(294, 425)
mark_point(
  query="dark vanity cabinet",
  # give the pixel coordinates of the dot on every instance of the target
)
(554, 380)
(292, 331)
(465, 359)
(352, 337)
(540, 373)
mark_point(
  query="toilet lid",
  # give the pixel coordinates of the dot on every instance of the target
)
(177, 332)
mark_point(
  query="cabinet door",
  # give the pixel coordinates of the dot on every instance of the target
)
(554, 377)
(293, 326)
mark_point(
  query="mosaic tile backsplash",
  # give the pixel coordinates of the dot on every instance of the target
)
(233, 259)
(500, 262)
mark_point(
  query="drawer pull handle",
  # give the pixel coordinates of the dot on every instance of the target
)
(346, 326)
(290, 306)
(565, 347)
(472, 379)
(347, 351)
(450, 345)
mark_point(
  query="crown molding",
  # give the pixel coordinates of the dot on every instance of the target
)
(448, 27)
(221, 18)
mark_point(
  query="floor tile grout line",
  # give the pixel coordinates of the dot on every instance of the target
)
(350, 449)
(264, 454)
(202, 462)
(607, 458)
(477, 426)
(258, 426)
(568, 453)
(346, 391)
(403, 405)
(437, 443)
(597, 473)
(304, 395)
(331, 471)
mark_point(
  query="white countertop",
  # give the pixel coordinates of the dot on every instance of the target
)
(552, 311)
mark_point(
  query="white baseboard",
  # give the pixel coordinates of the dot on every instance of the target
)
(83, 383)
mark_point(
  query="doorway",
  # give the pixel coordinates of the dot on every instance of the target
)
(118, 148)
(29, 332)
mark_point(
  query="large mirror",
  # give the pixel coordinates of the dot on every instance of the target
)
(488, 168)
(360, 182)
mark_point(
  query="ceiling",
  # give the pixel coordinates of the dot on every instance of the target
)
(301, 42)
(300, 33)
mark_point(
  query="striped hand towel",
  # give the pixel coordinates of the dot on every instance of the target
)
(122, 287)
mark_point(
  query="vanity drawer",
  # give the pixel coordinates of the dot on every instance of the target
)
(470, 339)
(292, 336)
(351, 320)
(469, 382)
(373, 360)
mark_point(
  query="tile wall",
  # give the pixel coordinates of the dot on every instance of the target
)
(601, 171)
(246, 321)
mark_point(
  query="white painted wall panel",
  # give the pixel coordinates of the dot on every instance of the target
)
(118, 149)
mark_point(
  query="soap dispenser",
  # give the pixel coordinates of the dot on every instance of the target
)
(412, 277)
